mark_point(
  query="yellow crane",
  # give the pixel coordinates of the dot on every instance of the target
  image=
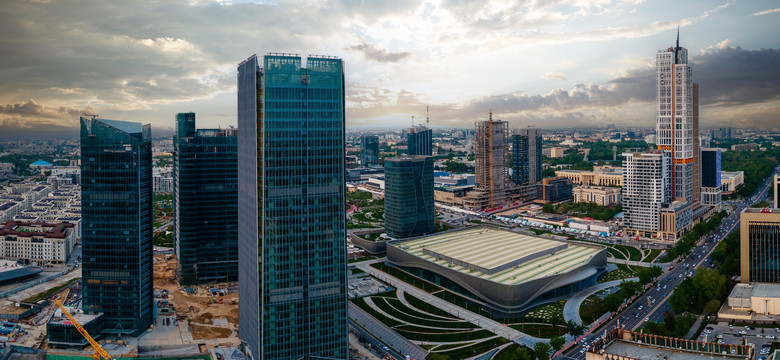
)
(99, 352)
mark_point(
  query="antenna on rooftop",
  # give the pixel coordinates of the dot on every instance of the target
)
(427, 118)
(412, 120)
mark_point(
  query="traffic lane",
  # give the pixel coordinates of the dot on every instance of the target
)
(671, 280)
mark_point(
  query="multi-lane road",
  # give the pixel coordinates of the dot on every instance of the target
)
(653, 303)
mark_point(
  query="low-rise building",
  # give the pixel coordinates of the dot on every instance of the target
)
(601, 195)
(752, 302)
(556, 189)
(624, 344)
(744, 147)
(600, 176)
(731, 180)
(476, 263)
(37, 243)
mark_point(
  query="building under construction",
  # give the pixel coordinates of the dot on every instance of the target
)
(491, 148)
(491, 140)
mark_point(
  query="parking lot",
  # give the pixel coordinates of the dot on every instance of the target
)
(740, 335)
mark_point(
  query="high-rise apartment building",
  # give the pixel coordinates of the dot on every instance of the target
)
(646, 187)
(409, 209)
(675, 125)
(710, 177)
(116, 198)
(205, 202)
(490, 147)
(760, 245)
(419, 141)
(776, 188)
(526, 156)
(370, 154)
(292, 226)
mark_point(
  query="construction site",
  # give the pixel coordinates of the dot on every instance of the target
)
(191, 322)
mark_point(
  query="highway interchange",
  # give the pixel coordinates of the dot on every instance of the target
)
(644, 309)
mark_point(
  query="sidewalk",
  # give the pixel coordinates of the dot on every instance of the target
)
(571, 310)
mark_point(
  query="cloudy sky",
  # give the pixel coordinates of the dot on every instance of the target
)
(550, 63)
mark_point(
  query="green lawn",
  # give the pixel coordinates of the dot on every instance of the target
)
(615, 253)
(617, 274)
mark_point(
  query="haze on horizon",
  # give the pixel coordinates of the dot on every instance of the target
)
(553, 64)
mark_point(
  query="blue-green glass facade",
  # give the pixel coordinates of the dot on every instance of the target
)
(526, 157)
(292, 229)
(205, 173)
(370, 154)
(419, 142)
(409, 208)
(116, 200)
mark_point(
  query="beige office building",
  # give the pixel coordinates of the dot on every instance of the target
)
(760, 245)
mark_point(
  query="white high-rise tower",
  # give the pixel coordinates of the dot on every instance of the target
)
(675, 117)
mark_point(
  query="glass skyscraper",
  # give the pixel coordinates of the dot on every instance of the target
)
(526, 156)
(205, 174)
(116, 198)
(419, 141)
(292, 226)
(370, 154)
(409, 209)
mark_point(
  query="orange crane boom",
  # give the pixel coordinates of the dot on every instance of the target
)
(100, 353)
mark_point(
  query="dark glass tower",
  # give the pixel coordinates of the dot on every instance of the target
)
(419, 141)
(710, 168)
(205, 174)
(370, 144)
(116, 198)
(292, 229)
(526, 156)
(409, 209)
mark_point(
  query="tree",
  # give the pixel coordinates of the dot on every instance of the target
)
(712, 306)
(542, 351)
(548, 208)
(683, 296)
(557, 343)
(669, 320)
(574, 328)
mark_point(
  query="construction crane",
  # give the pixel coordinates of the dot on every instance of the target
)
(99, 352)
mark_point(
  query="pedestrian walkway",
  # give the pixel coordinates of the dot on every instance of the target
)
(571, 310)
(637, 263)
(692, 332)
(479, 320)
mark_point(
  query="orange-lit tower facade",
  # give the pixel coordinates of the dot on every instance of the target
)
(675, 126)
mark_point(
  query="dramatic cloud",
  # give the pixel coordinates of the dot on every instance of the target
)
(736, 85)
(371, 52)
(557, 63)
(33, 109)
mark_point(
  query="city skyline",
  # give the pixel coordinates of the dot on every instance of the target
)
(554, 64)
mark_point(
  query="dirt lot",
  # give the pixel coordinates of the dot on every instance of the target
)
(198, 308)
(206, 332)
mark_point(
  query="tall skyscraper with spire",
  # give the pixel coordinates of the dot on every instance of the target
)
(291, 220)
(677, 136)
(674, 124)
